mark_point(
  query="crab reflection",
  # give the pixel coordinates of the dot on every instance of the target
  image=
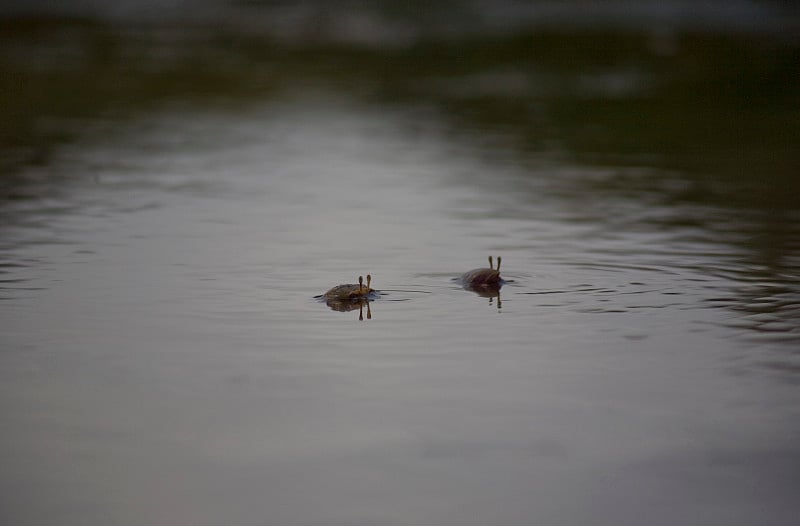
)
(348, 305)
(487, 291)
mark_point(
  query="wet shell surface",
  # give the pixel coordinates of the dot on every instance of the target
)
(350, 291)
(483, 277)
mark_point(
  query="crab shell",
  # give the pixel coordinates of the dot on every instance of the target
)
(348, 292)
(482, 277)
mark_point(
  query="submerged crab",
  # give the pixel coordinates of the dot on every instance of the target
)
(350, 291)
(485, 282)
(483, 278)
(351, 296)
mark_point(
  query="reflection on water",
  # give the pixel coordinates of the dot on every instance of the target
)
(164, 228)
(488, 291)
(350, 305)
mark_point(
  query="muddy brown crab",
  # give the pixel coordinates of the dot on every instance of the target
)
(351, 296)
(483, 278)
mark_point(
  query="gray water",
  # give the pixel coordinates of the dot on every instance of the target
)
(164, 360)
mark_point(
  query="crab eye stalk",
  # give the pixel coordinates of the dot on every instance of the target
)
(491, 264)
(499, 259)
(369, 280)
(360, 284)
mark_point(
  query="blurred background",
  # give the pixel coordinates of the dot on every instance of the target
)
(179, 179)
(710, 87)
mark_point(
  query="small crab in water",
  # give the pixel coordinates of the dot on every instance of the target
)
(483, 278)
(485, 282)
(351, 291)
(344, 298)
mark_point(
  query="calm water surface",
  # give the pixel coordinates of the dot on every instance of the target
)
(164, 361)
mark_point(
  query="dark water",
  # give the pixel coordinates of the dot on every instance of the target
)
(165, 227)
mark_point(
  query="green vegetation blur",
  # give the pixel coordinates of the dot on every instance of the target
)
(722, 106)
